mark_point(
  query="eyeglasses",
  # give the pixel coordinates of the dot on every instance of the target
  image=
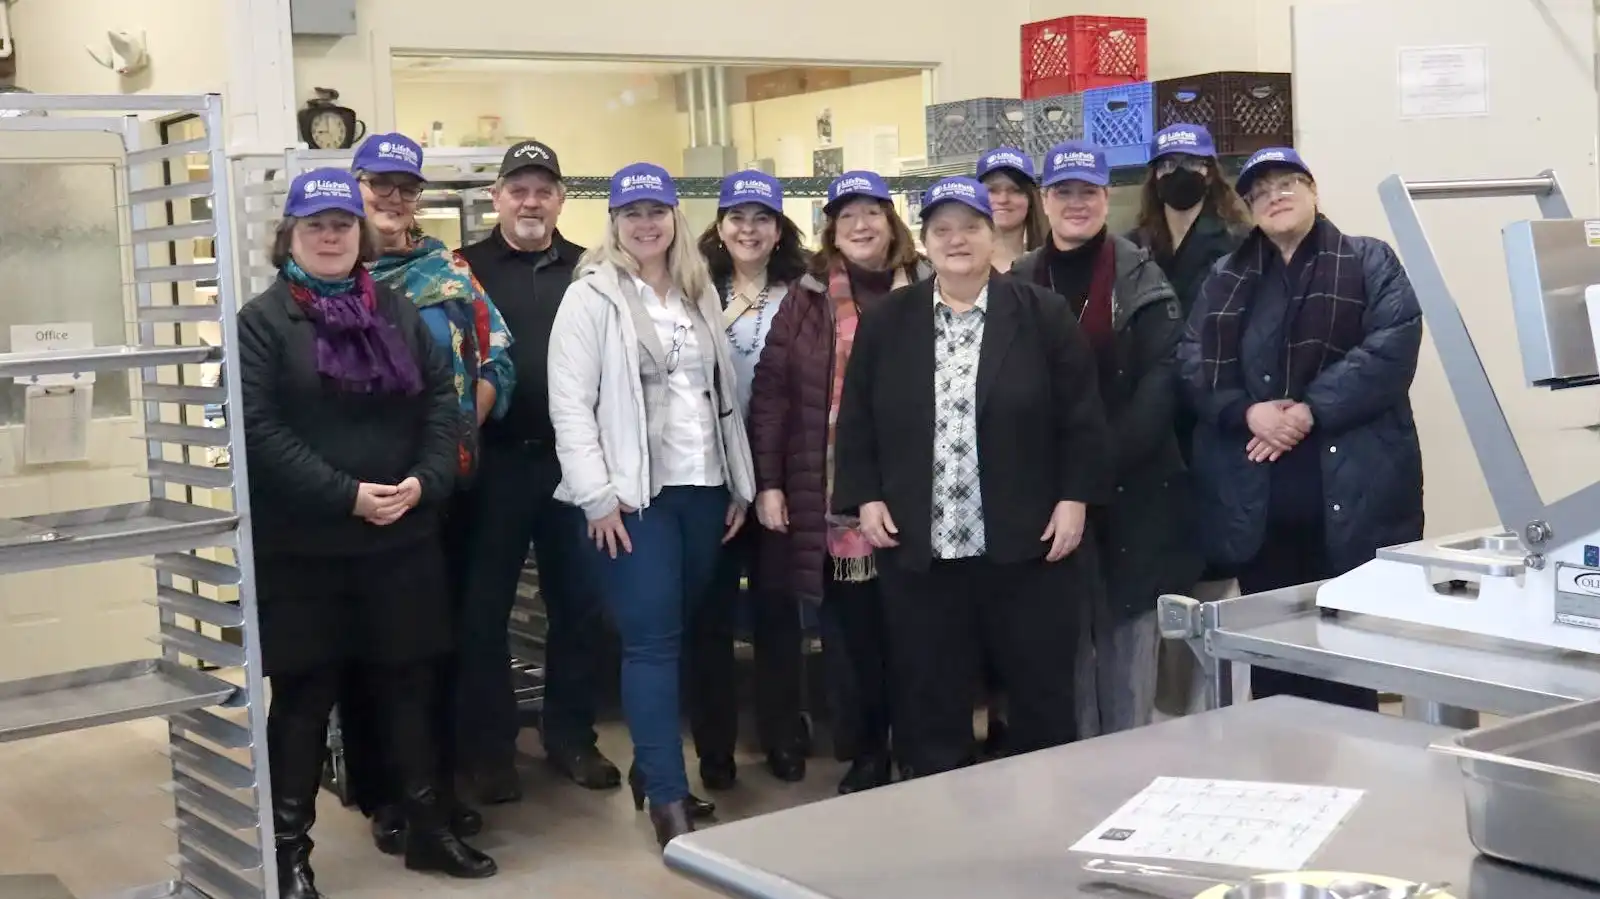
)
(1271, 188)
(387, 189)
(680, 334)
(1166, 165)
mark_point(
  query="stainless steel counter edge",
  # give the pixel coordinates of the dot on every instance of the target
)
(1284, 630)
(717, 870)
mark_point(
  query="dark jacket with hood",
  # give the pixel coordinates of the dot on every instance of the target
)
(1145, 539)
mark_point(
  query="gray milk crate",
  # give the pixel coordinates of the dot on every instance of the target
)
(1051, 120)
(963, 129)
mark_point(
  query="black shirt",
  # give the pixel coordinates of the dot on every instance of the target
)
(1072, 271)
(527, 289)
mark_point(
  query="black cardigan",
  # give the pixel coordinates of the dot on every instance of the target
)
(309, 444)
(1042, 433)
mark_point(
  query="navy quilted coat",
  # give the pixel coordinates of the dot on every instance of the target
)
(1365, 433)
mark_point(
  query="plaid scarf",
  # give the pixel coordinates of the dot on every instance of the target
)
(1327, 298)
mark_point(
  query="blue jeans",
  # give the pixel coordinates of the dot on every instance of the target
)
(649, 594)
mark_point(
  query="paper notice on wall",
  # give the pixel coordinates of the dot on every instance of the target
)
(55, 424)
(1444, 82)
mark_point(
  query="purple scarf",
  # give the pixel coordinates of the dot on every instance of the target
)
(356, 348)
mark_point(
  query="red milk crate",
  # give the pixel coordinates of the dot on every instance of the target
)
(1077, 53)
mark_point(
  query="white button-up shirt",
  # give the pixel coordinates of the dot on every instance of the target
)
(691, 420)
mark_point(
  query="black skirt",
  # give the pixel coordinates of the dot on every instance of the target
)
(386, 607)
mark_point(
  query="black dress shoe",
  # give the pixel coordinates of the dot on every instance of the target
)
(696, 808)
(787, 765)
(389, 826)
(719, 772)
(994, 741)
(496, 783)
(866, 773)
(586, 767)
(670, 820)
(430, 846)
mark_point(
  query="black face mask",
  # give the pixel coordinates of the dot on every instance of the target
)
(1181, 189)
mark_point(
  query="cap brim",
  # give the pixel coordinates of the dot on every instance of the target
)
(1247, 178)
(1007, 167)
(1093, 178)
(388, 167)
(764, 202)
(944, 201)
(308, 208)
(1196, 152)
(834, 204)
(521, 166)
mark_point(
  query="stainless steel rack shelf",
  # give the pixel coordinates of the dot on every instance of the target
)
(194, 529)
(58, 703)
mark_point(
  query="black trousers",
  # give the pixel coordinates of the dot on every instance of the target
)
(942, 624)
(712, 676)
(1296, 554)
(403, 722)
(855, 666)
(510, 507)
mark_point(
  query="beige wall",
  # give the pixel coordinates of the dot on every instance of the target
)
(186, 39)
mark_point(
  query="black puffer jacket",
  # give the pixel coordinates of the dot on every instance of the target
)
(1365, 435)
(1145, 534)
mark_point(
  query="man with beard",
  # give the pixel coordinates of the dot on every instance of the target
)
(526, 265)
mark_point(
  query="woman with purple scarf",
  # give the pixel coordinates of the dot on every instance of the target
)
(352, 425)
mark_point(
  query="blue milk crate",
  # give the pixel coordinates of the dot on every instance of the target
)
(1121, 120)
(1050, 121)
(959, 131)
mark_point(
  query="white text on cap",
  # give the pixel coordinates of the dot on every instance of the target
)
(318, 188)
(1077, 159)
(398, 151)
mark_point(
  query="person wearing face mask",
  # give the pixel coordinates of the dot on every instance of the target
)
(527, 266)
(1019, 220)
(971, 444)
(1189, 217)
(754, 253)
(468, 327)
(825, 559)
(352, 429)
(1298, 359)
(1132, 319)
(644, 399)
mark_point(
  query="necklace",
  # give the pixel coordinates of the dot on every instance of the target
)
(761, 315)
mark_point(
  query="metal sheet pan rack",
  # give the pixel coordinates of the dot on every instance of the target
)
(195, 527)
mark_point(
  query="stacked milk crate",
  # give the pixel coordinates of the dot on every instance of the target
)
(1086, 77)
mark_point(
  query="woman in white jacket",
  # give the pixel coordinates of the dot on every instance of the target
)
(644, 403)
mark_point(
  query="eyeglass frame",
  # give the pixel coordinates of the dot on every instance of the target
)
(386, 188)
(1284, 184)
(1166, 165)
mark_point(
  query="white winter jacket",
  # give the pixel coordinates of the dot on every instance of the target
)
(598, 405)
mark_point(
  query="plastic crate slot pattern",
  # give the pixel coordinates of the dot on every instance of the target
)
(966, 128)
(1052, 120)
(1120, 120)
(1245, 111)
(1076, 53)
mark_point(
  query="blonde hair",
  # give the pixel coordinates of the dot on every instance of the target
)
(685, 266)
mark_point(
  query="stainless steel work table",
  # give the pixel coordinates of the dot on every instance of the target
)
(1284, 630)
(1002, 830)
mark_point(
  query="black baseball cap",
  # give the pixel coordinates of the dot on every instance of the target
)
(530, 154)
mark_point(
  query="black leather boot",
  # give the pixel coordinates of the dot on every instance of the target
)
(670, 820)
(292, 819)
(698, 809)
(430, 845)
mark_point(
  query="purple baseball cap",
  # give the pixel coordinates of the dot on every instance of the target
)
(859, 183)
(1190, 140)
(969, 192)
(385, 153)
(320, 190)
(1266, 159)
(751, 186)
(641, 182)
(1008, 158)
(1076, 160)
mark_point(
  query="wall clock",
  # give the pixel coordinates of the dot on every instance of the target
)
(325, 125)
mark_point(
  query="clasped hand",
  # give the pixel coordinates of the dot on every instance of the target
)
(384, 504)
(1277, 427)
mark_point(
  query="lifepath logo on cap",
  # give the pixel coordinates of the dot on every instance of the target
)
(316, 188)
(531, 151)
(856, 184)
(953, 190)
(752, 186)
(1012, 160)
(1076, 159)
(398, 151)
(644, 181)
(1171, 139)
(1267, 156)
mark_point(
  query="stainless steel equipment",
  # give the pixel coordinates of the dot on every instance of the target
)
(195, 527)
(1533, 788)
(1134, 874)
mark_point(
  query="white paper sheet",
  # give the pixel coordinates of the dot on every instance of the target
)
(1275, 827)
(1444, 82)
(55, 424)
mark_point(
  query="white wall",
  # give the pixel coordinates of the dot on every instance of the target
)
(1543, 115)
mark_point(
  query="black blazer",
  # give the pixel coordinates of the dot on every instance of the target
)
(310, 444)
(1042, 434)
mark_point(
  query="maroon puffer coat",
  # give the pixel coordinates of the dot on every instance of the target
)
(789, 435)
